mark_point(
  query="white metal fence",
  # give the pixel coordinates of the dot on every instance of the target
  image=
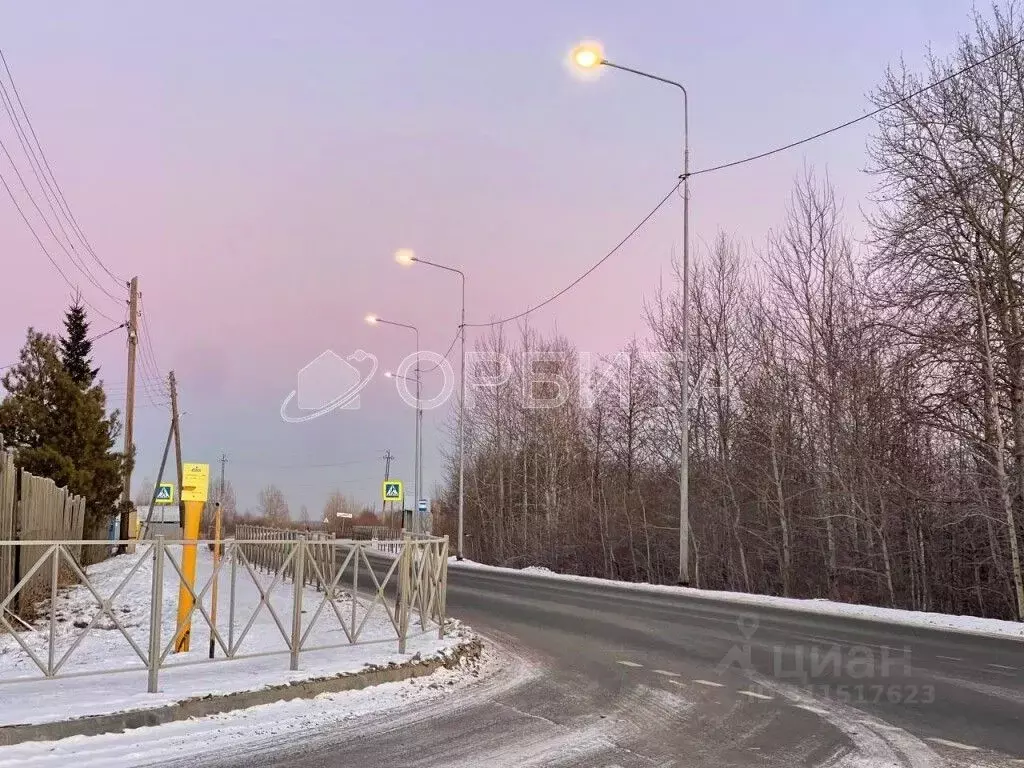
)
(347, 586)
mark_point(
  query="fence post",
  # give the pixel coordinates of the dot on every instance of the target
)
(156, 614)
(231, 602)
(298, 564)
(442, 597)
(54, 578)
(404, 587)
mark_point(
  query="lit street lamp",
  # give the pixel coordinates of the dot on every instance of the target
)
(588, 56)
(418, 461)
(407, 258)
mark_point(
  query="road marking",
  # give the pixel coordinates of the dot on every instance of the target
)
(629, 663)
(754, 695)
(809, 708)
(954, 744)
(666, 673)
(880, 726)
(709, 683)
(1001, 666)
(949, 658)
(678, 682)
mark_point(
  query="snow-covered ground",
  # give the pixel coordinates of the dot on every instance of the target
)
(969, 624)
(34, 699)
(262, 728)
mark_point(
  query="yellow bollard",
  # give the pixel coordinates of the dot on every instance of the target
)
(193, 511)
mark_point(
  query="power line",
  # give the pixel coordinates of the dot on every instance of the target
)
(34, 165)
(79, 265)
(445, 355)
(107, 333)
(597, 264)
(66, 208)
(42, 247)
(856, 120)
(750, 159)
(149, 351)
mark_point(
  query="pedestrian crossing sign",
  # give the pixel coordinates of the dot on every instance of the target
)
(165, 493)
(392, 491)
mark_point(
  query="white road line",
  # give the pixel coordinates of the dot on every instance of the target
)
(949, 658)
(880, 726)
(709, 683)
(677, 682)
(666, 673)
(629, 663)
(754, 695)
(1001, 666)
(809, 708)
(954, 744)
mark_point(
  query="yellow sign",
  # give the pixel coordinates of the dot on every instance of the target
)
(195, 482)
(392, 491)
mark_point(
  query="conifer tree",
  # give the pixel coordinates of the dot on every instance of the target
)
(75, 347)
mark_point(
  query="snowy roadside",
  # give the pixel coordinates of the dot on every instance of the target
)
(918, 619)
(26, 697)
(270, 727)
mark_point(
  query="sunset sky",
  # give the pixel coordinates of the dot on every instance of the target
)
(256, 164)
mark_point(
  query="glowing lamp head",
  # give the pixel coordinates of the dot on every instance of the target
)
(389, 374)
(372, 319)
(405, 256)
(588, 55)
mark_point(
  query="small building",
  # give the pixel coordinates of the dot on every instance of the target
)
(164, 521)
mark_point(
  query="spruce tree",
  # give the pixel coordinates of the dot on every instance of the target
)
(75, 347)
(62, 431)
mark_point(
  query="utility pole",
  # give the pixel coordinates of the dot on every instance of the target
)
(129, 409)
(223, 461)
(176, 428)
(387, 476)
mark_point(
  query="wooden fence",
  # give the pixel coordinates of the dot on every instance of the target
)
(33, 509)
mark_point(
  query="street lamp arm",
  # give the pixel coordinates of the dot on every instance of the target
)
(648, 75)
(459, 272)
(686, 107)
(400, 325)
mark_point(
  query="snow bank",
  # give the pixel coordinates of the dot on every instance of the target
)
(27, 697)
(255, 731)
(918, 619)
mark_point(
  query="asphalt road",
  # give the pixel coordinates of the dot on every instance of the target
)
(601, 676)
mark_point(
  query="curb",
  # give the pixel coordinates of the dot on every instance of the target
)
(203, 706)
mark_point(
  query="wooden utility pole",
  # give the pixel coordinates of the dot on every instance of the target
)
(176, 429)
(129, 409)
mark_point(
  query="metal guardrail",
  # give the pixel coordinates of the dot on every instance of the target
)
(419, 575)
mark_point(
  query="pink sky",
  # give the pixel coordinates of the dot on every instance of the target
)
(257, 164)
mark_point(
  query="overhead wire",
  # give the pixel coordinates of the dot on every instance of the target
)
(867, 116)
(34, 165)
(47, 253)
(750, 159)
(55, 188)
(593, 267)
(79, 265)
(154, 385)
(451, 346)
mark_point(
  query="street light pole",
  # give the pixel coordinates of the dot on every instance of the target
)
(417, 476)
(590, 56)
(406, 257)
(419, 424)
